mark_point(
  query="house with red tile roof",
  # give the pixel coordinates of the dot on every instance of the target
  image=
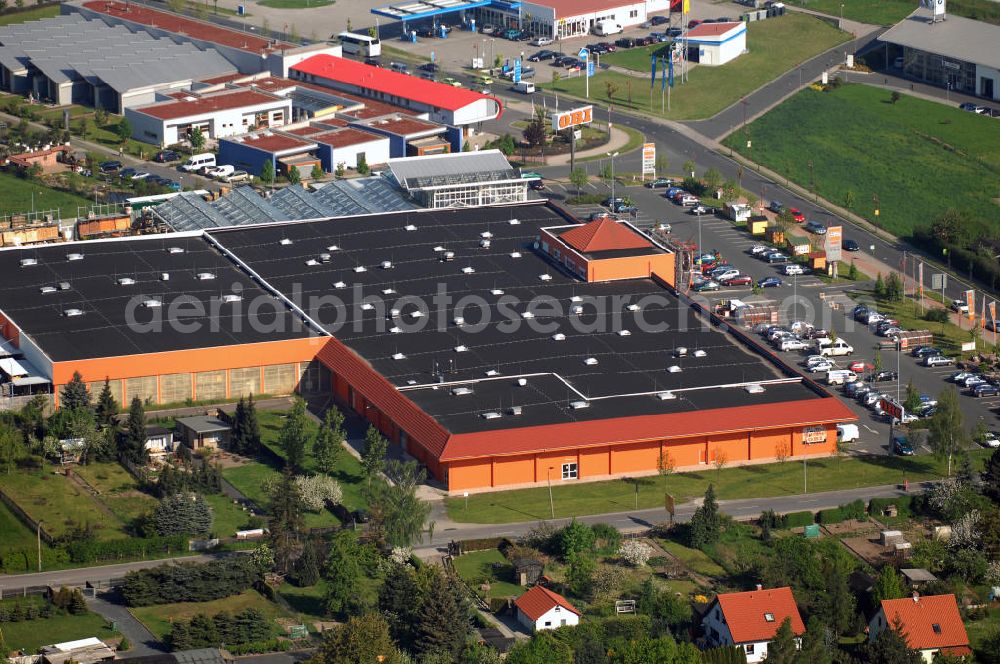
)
(540, 608)
(750, 619)
(929, 623)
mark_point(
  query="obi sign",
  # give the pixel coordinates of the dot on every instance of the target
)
(577, 116)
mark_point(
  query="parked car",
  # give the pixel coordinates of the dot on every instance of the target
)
(759, 250)
(541, 41)
(883, 376)
(989, 439)
(792, 269)
(985, 390)
(925, 351)
(623, 207)
(821, 367)
(850, 245)
(972, 108)
(659, 19)
(703, 286)
(815, 227)
(126, 173)
(741, 280)
(848, 433)
(796, 215)
(776, 257)
(937, 361)
(793, 344)
(109, 166)
(659, 183)
(448, 80)
(164, 156)
(769, 282)
(961, 306)
(238, 176)
(220, 172)
(700, 209)
(726, 274)
(625, 42)
(776, 207)
(544, 54)
(901, 445)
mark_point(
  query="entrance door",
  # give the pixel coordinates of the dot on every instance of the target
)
(986, 87)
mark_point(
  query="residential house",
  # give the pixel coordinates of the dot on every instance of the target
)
(203, 431)
(159, 441)
(540, 608)
(931, 624)
(750, 619)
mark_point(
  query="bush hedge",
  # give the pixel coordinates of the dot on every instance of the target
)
(852, 510)
(904, 504)
(189, 582)
(799, 519)
(88, 551)
(483, 544)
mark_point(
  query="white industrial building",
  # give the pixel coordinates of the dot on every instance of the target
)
(716, 44)
(460, 179)
(559, 19)
(957, 53)
(216, 115)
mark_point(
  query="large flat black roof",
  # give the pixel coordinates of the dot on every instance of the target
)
(31, 297)
(393, 258)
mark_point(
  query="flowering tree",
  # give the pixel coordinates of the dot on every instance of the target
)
(318, 490)
(635, 553)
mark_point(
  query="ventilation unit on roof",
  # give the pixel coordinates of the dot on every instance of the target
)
(63, 285)
(175, 250)
(514, 222)
(590, 361)
(461, 391)
(491, 415)
(515, 254)
(285, 241)
(461, 348)
(486, 234)
(579, 405)
(388, 291)
(398, 356)
(496, 291)
(231, 297)
(339, 284)
(458, 320)
(699, 353)
(680, 351)
(28, 262)
(666, 396)
(360, 268)
(673, 369)
(528, 315)
(152, 303)
(395, 330)
(393, 313)
(754, 388)
(490, 373)
(468, 269)
(576, 298)
(411, 381)
(545, 277)
(47, 289)
(514, 410)
(386, 265)
(448, 256)
(70, 313)
(75, 256)
(624, 333)
(438, 249)
(164, 276)
(312, 262)
(559, 336)
(416, 314)
(521, 382)
(576, 309)
(409, 227)
(325, 258)
(485, 244)
(367, 306)
(633, 307)
(126, 281)
(205, 276)
(333, 247)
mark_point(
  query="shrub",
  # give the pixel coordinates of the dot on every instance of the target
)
(483, 544)
(88, 551)
(835, 515)
(904, 504)
(854, 510)
(188, 582)
(608, 538)
(635, 553)
(936, 315)
(799, 519)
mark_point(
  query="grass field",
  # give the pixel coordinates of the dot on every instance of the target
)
(228, 517)
(756, 481)
(59, 503)
(30, 635)
(885, 150)
(776, 45)
(118, 490)
(695, 559)
(157, 618)
(16, 535)
(887, 12)
(16, 196)
(947, 336)
(476, 567)
(10, 18)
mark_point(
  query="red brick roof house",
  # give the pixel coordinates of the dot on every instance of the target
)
(540, 608)
(930, 624)
(751, 619)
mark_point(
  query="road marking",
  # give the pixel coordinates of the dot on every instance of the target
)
(870, 430)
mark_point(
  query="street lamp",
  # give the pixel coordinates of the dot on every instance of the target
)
(586, 74)
(552, 505)
(612, 155)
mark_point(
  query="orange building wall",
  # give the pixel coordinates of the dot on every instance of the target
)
(632, 267)
(688, 452)
(549, 465)
(765, 444)
(472, 473)
(594, 462)
(634, 457)
(9, 331)
(511, 470)
(734, 447)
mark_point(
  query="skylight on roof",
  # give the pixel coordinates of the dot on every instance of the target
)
(590, 361)
(339, 284)
(175, 250)
(206, 276)
(285, 241)
(486, 234)
(126, 281)
(769, 617)
(754, 388)
(559, 336)
(360, 268)
(28, 262)
(74, 256)
(461, 391)
(398, 356)
(461, 348)
(47, 289)
(491, 415)
(70, 313)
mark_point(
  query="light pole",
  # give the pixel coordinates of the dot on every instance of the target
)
(552, 505)
(805, 477)
(492, 57)
(586, 71)
(612, 155)
(898, 377)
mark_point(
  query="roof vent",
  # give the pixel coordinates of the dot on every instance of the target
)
(312, 262)
(164, 276)
(325, 258)
(333, 247)
(486, 234)
(590, 361)
(416, 314)
(514, 222)
(490, 373)
(576, 298)
(229, 298)
(579, 405)
(496, 291)
(398, 356)
(624, 333)
(360, 268)
(75, 256)
(63, 285)
(754, 388)
(367, 306)
(339, 284)
(70, 313)
(468, 269)
(395, 330)
(409, 227)
(386, 265)
(285, 241)
(461, 391)
(576, 309)
(699, 353)
(527, 315)
(448, 256)
(393, 313)
(521, 382)
(458, 320)
(175, 250)
(388, 291)
(485, 244)
(491, 415)
(206, 276)
(514, 410)
(47, 289)
(411, 381)
(126, 281)
(559, 336)
(515, 254)
(680, 351)
(666, 396)
(461, 348)
(152, 303)
(673, 369)
(633, 307)
(438, 249)
(545, 277)
(28, 262)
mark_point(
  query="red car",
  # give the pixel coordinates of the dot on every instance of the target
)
(797, 216)
(742, 280)
(860, 366)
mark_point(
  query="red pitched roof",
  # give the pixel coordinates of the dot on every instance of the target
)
(747, 613)
(919, 616)
(388, 82)
(603, 235)
(222, 101)
(712, 29)
(539, 600)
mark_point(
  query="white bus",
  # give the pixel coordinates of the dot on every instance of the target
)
(363, 45)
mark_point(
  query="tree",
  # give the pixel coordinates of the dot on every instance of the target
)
(106, 407)
(894, 97)
(991, 477)
(879, 285)
(197, 139)
(611, 88)
(556, 76)
(837, 603)
(267, 172)
(238, 435)
(373, 458)
(340, 169)
(318, 491)
(852, 272)
(307, 567)
(578, 178)
(665, 466)
(819, 643)
(912, 401)
(362, 166)
(317, 172)
(397, 515)
(343, 575)
(536, 132)
(74, 394)
(894, 287)
(890, 647)
(721, 459)
(782, 648)
(689, 167)
(293, 175)
(443, 620)
(123, 130)
(362, 638)
(252, 427)
(580, 574)
(946, 429)
(988, 652)
(400, 600)
(287, 522)
(877, 361)
(888, 585)
(712, 179)
(705, 526)
(183, 514)
(328, 448)
(576, 538)
(543, 648)
(132, 442)
(294, 436)
(662, 164)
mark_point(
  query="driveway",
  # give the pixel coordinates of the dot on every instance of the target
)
(143, 641)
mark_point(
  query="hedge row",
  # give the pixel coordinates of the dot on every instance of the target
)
(88, 551)
(852, 510)
(904, 504)
(799, 519)
(483, 544)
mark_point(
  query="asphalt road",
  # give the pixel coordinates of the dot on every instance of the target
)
(142, 641)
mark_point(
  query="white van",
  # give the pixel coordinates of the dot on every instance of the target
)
(847, 433)
(607, 27)
(838, 347)
(199, 161)
(524, 87)
(840, 376)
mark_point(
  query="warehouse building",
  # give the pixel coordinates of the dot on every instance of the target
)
(216, 115)
(958, 54)
(329, 148)
(716, 44)
(460, 179)
(559, 19)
